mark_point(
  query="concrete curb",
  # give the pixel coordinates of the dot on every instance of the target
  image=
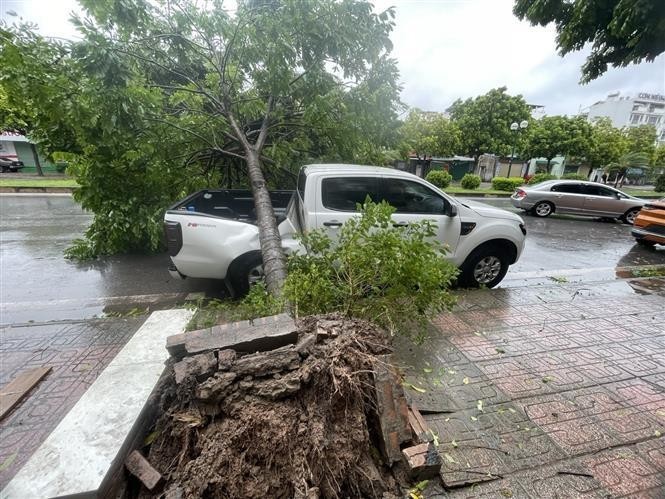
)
(88, 447)
(35, 190)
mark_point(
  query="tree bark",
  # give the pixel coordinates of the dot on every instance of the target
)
(38, 165)
(549, 163)
(274, 260)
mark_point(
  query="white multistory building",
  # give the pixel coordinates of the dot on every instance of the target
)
(627, 111)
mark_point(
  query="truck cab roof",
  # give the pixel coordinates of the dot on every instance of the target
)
(354, 169)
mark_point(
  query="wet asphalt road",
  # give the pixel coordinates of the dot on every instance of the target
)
(38, 284)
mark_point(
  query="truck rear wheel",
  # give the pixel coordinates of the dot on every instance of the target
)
(246, 271)
(485, 266)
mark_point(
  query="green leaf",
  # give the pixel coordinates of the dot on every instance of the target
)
(9, 460)
(415, 388)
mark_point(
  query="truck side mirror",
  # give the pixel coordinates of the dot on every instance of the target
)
(452, 210)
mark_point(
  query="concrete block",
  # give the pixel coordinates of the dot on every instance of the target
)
(423, 461)
(259, 335)
(139, 466)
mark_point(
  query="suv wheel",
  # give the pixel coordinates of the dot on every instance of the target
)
(486, 266)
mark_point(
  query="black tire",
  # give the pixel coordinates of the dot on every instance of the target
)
(645, 243)
(629, 216)
(482, 261)
(245, 271)
(542, 209)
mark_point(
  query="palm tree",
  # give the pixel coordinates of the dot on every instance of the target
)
(628, 160)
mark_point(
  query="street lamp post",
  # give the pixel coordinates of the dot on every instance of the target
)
(515, 127)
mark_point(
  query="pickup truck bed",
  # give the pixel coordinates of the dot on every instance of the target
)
(234, 204)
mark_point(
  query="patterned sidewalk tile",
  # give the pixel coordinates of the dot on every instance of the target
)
(77, 353)
(550, 392)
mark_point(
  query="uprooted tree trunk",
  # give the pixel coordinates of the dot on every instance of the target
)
(274, 259)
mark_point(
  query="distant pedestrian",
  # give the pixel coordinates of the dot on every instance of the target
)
(604, 178)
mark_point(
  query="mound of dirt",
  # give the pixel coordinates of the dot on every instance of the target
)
(298, 421)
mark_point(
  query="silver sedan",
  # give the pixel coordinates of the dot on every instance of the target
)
(573, 197)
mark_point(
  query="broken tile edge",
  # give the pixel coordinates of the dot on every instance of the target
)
(82, 450)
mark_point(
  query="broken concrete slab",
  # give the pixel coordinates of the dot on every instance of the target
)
(139, 466)
(421, 432)
(259, 335)
(391, 408)
(423, 461)
(195, 366)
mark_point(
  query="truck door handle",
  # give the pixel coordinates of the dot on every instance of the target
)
(332, 224)
(400, 224)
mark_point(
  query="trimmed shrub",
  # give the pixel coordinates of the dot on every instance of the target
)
(440, 178)
(506, 184)
(574, 176)
(541, 177)
(470, 181)
(660, 183)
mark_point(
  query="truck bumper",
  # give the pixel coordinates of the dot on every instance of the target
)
(175, 273)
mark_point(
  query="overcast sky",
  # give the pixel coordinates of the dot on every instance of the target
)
(456, 48)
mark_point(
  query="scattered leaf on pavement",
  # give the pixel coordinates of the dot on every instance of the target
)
(414, 387)
(479, 405)
(8, 461)
(465, 381)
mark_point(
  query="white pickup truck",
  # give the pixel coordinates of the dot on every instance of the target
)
(213, 233)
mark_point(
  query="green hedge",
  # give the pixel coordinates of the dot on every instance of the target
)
(541, 177)
(506, 184)
(574, 176)
(470, 181)
(660, 183)
(440, 178)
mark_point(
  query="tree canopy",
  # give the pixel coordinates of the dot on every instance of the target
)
(428, 134)
(170, 95)
(641, 139)
(558, 135)
(621, 32)
(607, 144)
(484, 121)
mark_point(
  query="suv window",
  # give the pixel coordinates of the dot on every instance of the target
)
(568, 188)
(344, 193)
(411, 197)
(597, 190)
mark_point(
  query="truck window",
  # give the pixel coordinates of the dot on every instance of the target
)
(411, 197)
(344, 193)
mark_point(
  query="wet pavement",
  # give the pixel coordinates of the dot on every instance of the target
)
(549, 391)
(557, 307)
(70, 316)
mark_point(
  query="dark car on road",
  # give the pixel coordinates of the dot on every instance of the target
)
(573, 197)
(10, 165)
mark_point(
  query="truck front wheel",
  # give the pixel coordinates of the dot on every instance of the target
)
(485, 266)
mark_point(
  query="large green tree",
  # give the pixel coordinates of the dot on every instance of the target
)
(248, 94)
(558, 135)
(484, 121)
(607, 145)
(428, 134)
(641, 139)
(621, 32)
